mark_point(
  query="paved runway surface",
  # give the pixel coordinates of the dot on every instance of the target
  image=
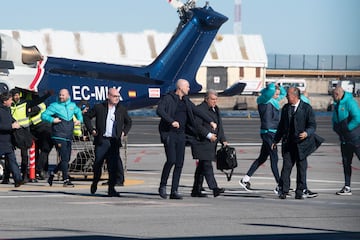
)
(37, 211)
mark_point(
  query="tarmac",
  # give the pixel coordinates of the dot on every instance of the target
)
(38, 211)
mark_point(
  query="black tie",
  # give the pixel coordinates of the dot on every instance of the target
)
(292, 110)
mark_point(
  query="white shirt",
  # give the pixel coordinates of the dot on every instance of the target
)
(296, 105)
(110, 119)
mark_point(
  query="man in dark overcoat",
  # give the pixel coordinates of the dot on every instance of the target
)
(203, 145)
(7, 125)
(297, 130)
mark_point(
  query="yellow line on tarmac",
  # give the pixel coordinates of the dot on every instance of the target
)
(129, 182)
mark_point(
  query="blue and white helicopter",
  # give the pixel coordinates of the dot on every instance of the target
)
(138, 86)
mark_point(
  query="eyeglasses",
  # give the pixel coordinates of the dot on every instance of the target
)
(115, 96)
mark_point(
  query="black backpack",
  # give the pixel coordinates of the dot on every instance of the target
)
(226, 160)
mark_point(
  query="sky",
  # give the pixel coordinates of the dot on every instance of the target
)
(329, 27)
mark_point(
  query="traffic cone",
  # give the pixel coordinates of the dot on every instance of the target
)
(32, 177)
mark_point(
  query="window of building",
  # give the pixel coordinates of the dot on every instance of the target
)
(241, 72)
(257, 72)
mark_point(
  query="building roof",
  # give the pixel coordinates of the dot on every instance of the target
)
(138, 48)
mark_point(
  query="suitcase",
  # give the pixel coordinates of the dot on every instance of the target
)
(226, 160)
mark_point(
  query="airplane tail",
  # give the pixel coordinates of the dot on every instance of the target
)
(196, 31)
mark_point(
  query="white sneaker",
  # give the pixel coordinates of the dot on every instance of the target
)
(309, 194)
(345, 191)
(276, 190)
(245, 185)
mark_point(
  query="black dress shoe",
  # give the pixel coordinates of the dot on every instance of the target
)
(282, 195)
(93, 188)
(5, 181)
(218, 191)
(18, 184)
(51, 179)
(113, 193)
(299, 196)
(162, 192)
(175, 195)
(198, 194)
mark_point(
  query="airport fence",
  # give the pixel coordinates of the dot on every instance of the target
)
(313, 62)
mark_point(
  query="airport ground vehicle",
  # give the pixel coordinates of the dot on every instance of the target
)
(332, 85)
(253, 87)
(293, 82)
(347, 85)
(357, 88)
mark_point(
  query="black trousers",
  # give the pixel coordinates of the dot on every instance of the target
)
(63, 148)
(347, 152)
(109, 149)
(290, 158)
(11, 166)
(204, 169)
(265, 152)
(175, 152)
(44, 144)
(24, 152)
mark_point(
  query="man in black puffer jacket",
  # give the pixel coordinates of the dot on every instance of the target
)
(176, 112)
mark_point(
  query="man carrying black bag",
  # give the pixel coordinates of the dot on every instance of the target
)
(226, 160)
(204, 144)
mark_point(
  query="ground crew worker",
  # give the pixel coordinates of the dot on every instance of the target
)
(43, 143)
(21, 110)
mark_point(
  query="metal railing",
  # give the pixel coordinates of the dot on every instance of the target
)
(313, 62)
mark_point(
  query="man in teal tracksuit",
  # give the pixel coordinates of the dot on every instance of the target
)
(346, 123)
(60, 114)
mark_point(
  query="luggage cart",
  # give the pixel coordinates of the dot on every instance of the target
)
(82, 156)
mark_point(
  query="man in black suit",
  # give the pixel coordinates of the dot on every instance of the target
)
(112, 123)
(297, 130)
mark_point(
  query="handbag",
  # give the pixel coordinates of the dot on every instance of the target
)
(22, 138)
(226, 160)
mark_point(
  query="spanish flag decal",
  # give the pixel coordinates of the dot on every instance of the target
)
(132, 93)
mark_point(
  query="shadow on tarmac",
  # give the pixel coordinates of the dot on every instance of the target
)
(310, 236)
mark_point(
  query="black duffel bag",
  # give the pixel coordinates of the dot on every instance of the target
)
(226, 160)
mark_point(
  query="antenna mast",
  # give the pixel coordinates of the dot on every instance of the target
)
(237, 17)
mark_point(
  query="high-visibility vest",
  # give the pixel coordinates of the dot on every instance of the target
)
(77, 132)
(37, 118)
(18, 112)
